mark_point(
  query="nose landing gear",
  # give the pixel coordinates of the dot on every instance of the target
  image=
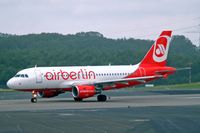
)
(34, 99)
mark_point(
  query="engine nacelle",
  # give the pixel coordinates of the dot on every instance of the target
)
(48, 93)
(84, 91)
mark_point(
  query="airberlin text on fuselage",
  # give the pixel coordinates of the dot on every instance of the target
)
(70, 75)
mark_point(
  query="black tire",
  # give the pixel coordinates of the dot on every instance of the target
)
(78, 99)
(101, 98)
(34, 100)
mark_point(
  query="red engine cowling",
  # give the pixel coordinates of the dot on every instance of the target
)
(48, 93)
(83, 91)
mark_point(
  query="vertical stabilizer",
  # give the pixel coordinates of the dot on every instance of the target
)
(157, 55)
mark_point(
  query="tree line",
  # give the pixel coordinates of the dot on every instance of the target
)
(90, 48)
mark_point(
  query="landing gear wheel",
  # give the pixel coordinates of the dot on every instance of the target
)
(101, 98)
(34, 100)
(34, 95)
(77, 99)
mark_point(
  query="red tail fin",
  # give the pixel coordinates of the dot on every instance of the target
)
(157, 55)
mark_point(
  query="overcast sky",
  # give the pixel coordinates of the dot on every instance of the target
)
(113, 18)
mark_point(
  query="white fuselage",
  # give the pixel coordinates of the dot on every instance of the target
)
(64, 77)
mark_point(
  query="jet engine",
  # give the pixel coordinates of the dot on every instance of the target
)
(84, 91)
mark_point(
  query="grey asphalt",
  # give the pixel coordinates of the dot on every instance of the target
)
(91, 103)
(153, 113)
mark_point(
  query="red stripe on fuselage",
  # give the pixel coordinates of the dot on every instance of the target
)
(46, 89)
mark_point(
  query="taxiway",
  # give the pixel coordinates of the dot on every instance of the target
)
(91, 103)
(139, 112)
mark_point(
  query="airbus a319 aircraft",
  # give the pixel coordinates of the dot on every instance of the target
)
(87, 81)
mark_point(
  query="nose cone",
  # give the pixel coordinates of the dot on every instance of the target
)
(11, 84)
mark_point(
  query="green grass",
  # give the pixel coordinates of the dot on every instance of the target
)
(192, 86)
(183, 86)
(6, 90)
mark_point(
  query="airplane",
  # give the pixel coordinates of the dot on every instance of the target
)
(88, 81)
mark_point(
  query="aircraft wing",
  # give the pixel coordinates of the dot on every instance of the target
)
(123, 81)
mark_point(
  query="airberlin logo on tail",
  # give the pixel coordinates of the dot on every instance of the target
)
(161, 49)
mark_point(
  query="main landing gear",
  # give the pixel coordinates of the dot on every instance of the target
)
(34, 99)
(101, 98)
(78, 99)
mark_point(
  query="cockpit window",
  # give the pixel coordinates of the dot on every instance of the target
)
(18, 75)
(22, 75)
(26, 75)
